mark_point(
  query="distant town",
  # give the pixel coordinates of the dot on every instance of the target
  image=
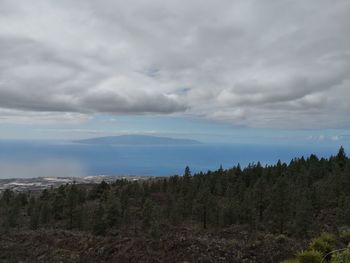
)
(41, 183)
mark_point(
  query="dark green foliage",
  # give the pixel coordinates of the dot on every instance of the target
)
(279, 205)
(322, 249)
(341, 157)
(45, 213)
(290, 261)
(303, 215)
(99, 226)
(113, 213)
(124, 201)
(261, 198)
(12, 213)
(34, 217)
(58, 204)
(321, 246)
(310, 256)
(71, 203)
(341, 256)
(79, 217)
(98, 190)
(202, 206)
(31, 206)
(147, 214)
(7, 196)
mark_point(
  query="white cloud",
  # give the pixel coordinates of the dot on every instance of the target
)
(335, 138)
(252, 63)
(31, 117)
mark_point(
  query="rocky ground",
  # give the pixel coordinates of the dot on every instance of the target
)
(179, 245)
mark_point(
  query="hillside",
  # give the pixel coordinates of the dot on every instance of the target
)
(255, 214)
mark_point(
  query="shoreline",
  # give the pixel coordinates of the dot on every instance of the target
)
(41, 183)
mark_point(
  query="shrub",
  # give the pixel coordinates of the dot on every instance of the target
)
(329, 238)
(345, 235)
(310, 256)
(290, 261)
(321, 246)
(341, 256)
(324, 244)
(281, 239)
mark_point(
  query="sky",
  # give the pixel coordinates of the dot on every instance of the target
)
(218, 71)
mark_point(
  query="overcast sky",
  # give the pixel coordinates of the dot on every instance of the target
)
(146, 65)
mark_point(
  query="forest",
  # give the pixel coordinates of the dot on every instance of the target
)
(301, 200)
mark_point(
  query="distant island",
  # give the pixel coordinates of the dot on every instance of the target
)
(138, 140)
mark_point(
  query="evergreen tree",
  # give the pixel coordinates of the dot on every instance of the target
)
(147, 214)
(341, 157)
(34, 217)
(12, 214)
(99, 226)
(58, 205)
(31, 205)
(45, 213)
(113, 213)
(304, 215)
(279, 204)
(202, 205)
(71, 203)
(261, 197)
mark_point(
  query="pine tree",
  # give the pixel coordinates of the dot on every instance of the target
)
(7, 196)
(147, 214)
(124, 201)
(79, 217)
(31, 205)
(303, 215)
(45, 213)
(113, 212)
(58, 204)
(260, 197)
(279, 204)
(99, 224)
(34, 217)
(341, 157)
(202, 205)
(187, 193)
(13, 213)
(71, 203)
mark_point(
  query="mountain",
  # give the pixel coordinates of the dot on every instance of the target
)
(138, 140)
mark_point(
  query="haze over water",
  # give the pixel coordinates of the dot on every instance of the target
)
(59, 158)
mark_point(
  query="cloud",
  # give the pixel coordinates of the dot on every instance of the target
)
(273, 64)
(30, 117)
(326, 137)
(137, 96)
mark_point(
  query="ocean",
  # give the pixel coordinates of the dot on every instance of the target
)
(37, 158)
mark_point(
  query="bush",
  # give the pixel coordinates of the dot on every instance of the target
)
(329, 238)
(345, 235)
(281, 239)
(310, 256)
(341, 256)
(321, 246)
(290, 261)
(324, 244)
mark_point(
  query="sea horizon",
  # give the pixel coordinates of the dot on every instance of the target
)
(63, 158)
